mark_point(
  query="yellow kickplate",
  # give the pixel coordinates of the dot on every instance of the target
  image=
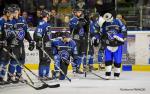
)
(140, 67)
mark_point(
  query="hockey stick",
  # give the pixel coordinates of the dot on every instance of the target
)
(87, 51)
(90, 72)
(36, 88)
(28, 77)
(99, 76)
(44, 85)
(56, 65)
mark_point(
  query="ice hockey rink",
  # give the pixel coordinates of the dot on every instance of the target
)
(135, 79)
(129, 83)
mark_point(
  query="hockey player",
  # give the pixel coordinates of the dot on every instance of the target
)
(17, 46)
(90, 51)
(43, 37)
(114, 33)
(95, 38)
(80, 35)
(6, 26)
(63, 50)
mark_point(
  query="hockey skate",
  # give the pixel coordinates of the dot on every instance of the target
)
(19, 78)
(92, 68)
(55, 74)
(3, 82)
(116, 78)
(11, 79)
(79, 71)
(45, 78)
(107, 77)
(101, 67)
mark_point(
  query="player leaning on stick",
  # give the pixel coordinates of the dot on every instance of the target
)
(42, 36)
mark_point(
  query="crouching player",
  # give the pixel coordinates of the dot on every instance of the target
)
(63, 50)
(114, 34)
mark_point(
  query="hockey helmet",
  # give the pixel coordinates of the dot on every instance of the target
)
(65, 34)
(8, 10)
(45, 13)
(15, 7)
(108, 17)
(78, 10)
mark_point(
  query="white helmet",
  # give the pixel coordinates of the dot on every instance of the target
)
(108, 17)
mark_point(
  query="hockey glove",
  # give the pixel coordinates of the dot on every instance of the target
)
(39, 45)
(81, 23)
(31, 45)
(95, 41)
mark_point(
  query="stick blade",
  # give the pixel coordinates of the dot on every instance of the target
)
(42, 87)
(54, 86)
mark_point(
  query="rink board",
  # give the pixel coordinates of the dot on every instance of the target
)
(124, 67)
(138, 50)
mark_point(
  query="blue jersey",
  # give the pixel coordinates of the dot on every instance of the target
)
(2, 21)
(6, 28)
(111, 29)
(43, 32)
(94, 30)
(64, 50)
(77, 28)
(21, 30)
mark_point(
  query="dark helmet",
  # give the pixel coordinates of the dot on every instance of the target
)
(94, 16)
(78, 9)
(8, 10)
(65, 34)
(44, 13)
(15, 7)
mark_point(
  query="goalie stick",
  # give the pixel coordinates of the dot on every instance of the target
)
(44, 85)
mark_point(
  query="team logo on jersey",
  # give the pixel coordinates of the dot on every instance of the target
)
(20, 34)
(8, 33)
(110, 34)
(64, 54)
(81, 32)
(8, 26)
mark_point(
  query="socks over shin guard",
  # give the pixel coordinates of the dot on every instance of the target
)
(108, 70)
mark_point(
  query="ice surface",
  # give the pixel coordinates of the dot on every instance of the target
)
(129, 83)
